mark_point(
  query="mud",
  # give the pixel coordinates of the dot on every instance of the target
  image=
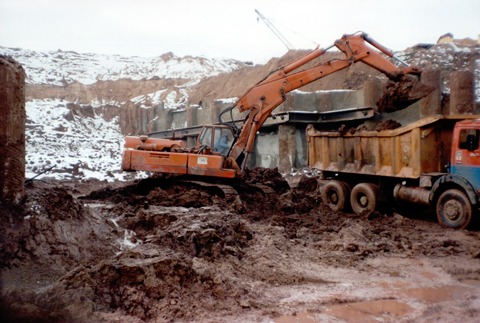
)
(388, 124)
(155, 250)
(399, 95)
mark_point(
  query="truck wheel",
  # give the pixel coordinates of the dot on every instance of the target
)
(336, 195)
(454, 209)
(364, 198)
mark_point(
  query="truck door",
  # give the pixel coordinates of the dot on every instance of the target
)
(466, 155)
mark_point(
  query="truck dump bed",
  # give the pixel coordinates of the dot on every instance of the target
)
(407, 152)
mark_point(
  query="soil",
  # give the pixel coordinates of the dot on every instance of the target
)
(399, 95)
(160, 250)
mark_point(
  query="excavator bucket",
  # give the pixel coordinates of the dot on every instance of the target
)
(403, 93)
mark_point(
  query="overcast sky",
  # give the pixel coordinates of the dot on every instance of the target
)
(223, 28)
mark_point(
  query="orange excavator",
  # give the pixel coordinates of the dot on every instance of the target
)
(222, 150)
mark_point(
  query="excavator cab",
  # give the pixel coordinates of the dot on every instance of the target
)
(217, 137)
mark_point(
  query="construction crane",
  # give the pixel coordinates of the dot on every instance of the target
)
(275, 30)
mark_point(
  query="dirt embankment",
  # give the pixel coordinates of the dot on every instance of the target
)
(107, 92)
(157, 250)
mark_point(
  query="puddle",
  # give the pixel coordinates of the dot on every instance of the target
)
(369, 311)
(472, 282)
(129, 239)
(364, 312)
(389, 285)
(299, 318)
(99, 205)
(437, 295)
(429, 275)
(386, 309)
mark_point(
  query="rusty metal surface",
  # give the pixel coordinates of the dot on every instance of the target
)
(175, 163)
(134, 142)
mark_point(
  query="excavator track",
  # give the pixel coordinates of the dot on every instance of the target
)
(229, 193)
(266, 191)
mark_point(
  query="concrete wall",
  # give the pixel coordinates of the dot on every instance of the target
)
(322, 101)
(160, 119)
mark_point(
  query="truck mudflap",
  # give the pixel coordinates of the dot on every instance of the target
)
(458, 180)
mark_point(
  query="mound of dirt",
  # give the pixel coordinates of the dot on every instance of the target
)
(52, 227)
(389, 124)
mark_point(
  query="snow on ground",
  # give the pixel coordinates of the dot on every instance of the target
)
(78, 148)
(65, 67)
(173, 100)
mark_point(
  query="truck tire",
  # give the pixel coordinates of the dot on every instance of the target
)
(364, 198)
(454, 209)
(336, 195)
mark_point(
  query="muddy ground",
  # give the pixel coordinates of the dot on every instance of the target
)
(155, 250)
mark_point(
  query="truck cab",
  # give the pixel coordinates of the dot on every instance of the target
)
(457, 193)
(465, 160)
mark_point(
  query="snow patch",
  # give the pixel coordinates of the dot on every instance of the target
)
(66, 67)
(78, 147)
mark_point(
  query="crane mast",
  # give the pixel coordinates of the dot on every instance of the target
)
(275, 31)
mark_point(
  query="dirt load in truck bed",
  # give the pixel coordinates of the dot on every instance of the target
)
(155, 251)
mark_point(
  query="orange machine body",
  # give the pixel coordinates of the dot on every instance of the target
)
(170, 156)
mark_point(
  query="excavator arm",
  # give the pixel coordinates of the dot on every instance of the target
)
(269, 93)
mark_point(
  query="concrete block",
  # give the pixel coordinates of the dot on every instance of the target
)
(265, 152)
(462, 86)
(372, 92)
(345, 99)
(12, 131)
(179, 119)
(432, 104)
(192, 115)
(288, 105)
(324, 103)
(286, 147)
(203, 113)
(301, 154)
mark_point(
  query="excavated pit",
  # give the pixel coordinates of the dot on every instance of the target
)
(156, 251)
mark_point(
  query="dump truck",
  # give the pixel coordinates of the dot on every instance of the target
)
(433, 162)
